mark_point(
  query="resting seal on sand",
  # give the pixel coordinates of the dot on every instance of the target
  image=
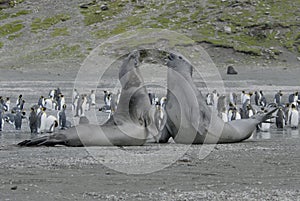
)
(130, 124)
(190, 120)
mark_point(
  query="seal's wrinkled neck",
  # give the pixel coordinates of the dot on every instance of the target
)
(129, 64)
(129, 74)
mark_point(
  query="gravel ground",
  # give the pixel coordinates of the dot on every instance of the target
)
(257, 169)
(265, 167)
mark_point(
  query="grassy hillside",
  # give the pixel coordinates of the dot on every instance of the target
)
(69, 29)
(254, 27)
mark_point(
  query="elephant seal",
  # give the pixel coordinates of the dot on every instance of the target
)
(129, 125)
(190, 120)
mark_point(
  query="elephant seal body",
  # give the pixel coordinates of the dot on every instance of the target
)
(130, 124)
(190, 120)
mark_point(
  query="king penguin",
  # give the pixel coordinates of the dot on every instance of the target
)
(18, 119)
(294, 117)
(41, 119)
(33, 120)
(160, 119)
(279, 118)
(50, 124)
(1, 119)
(61, 116)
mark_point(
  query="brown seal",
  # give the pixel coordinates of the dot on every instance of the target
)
(190, 120)
(130, 124)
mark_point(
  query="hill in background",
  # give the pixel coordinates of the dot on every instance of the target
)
(57, 33)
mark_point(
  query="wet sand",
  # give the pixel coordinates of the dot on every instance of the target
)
(264, 167)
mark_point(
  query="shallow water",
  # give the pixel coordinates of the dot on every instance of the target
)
(275, 133)
(13, 137)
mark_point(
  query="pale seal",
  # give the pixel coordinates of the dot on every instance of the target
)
(130, 124)
(190, 120)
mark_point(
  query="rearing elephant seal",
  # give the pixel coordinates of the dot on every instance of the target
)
(130, 124)
(190, 120)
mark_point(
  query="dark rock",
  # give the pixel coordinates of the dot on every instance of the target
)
(4, 4)
(104, 7)
(14, 187)
(85, 6)
(184, 159)
(231, 71)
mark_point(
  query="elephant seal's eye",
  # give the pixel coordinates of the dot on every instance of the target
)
(180, 57)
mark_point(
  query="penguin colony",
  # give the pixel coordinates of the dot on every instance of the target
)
(251, 103)
(229, 108)
(38, 120)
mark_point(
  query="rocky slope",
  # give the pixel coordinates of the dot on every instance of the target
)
(62, 33)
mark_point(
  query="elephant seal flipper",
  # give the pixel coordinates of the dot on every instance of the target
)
(34, 142)
(63, 138)
(129, 125)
